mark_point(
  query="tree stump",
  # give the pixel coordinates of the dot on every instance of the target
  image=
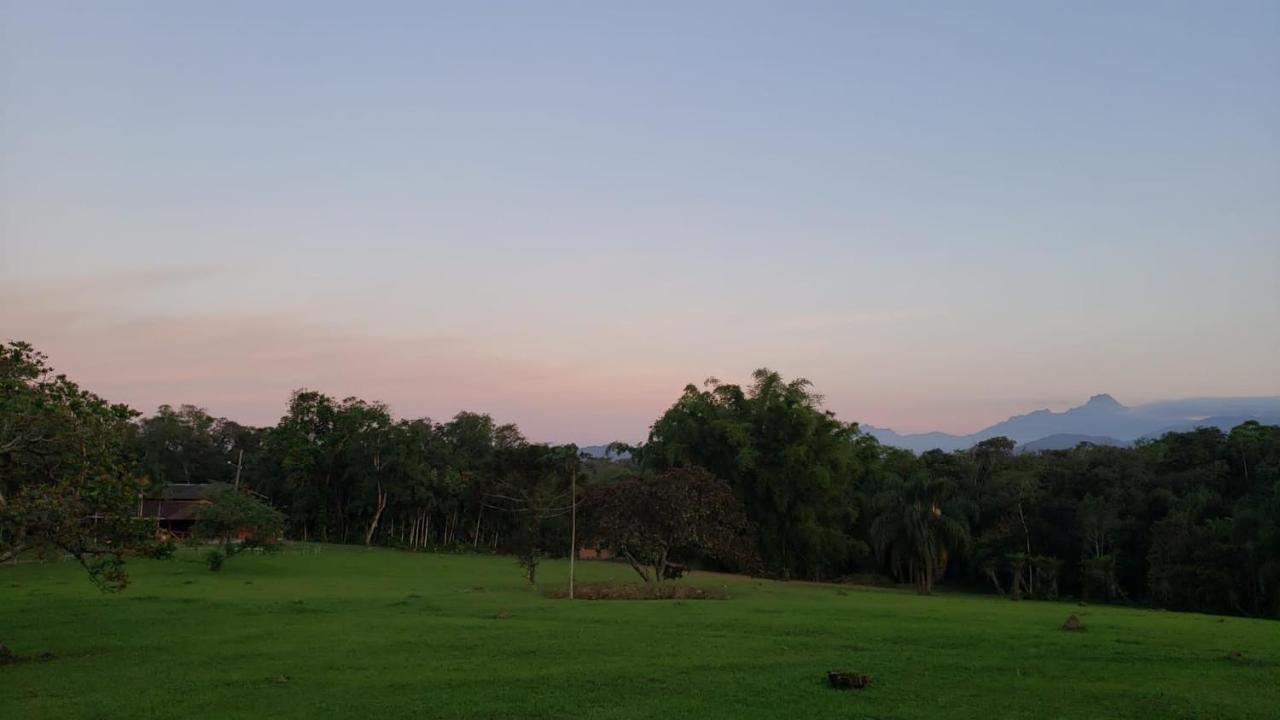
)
(844, 680)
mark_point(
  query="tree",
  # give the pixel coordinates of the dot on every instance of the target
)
(236, 520)
(986, 457)
(659, 523)
(66, 482)
(532, 486)
(304, 450)
(916, 528)
(1098, 520)
(793, 465)
(187, 445)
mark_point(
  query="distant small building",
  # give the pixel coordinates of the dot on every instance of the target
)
(173, 508)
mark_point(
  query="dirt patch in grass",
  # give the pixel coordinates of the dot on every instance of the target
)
(845, 680)
(610, 591)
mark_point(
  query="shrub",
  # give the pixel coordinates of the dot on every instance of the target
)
(215, 558)
(159, 550)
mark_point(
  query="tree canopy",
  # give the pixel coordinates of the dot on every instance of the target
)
(660, 522)
(793, 464)
(67, 481)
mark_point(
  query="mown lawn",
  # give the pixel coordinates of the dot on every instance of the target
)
(348, 632)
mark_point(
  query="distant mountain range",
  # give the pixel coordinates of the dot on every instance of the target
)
(1102, 420)
(602, 451)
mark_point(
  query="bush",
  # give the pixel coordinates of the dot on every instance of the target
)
(159, 550)
(215, 558)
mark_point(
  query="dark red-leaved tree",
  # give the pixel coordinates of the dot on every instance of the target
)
(660, 522)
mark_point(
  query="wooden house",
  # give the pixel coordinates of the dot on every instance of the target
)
(173, 508)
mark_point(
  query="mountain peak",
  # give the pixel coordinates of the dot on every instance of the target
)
(1102, 420)
(1103, 401)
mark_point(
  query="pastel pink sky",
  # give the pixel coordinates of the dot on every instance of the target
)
(561, 217)
(142, 338)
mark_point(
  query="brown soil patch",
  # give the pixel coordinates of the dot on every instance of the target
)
(1073, 623)
(608, 591)
(845, 680)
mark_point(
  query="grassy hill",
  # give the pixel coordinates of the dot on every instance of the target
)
(348, 632)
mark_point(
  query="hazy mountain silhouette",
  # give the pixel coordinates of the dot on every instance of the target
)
(1066, 441)
(602, 451)
(1101, 418)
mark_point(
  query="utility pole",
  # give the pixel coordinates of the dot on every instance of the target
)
(573, 524)
(239, 460)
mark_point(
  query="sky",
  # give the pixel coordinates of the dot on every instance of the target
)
(562, 213)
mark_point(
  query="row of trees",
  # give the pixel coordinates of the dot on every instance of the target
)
(1188, 521)
(758, 478)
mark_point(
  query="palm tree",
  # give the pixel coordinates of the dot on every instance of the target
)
(916, 527)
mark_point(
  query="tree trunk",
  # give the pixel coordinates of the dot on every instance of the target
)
(640, 569)
(1026, 533)
(995, 579)
(1019, 583)
(377, 515)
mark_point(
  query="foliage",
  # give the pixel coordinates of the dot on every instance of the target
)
(532, 487)
(917, 527)
(793, 465)
(215, 559)
(187, 445)
(659, 523)
(159, 549)
(66, 482)
(236, 520)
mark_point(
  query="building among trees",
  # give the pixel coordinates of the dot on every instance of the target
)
(173, 508)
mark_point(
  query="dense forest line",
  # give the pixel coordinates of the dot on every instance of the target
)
(1190, 521)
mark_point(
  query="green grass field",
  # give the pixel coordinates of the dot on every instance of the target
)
(348, 632)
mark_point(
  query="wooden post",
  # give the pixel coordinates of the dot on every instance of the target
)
(573, 525)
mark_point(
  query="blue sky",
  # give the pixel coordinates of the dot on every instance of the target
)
(563, 212)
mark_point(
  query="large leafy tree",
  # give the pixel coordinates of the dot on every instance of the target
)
(67, 482)
(188, 445)
(793, 464)
(917, 527)
(303, 453)
(532, 487)
(660, 522)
